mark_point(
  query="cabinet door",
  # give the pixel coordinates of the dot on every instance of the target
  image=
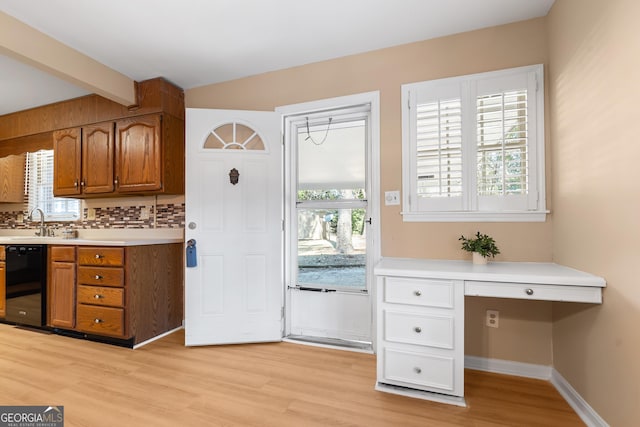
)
(3, 289)
(12, 179)
(62, 295)
(138, 154)
(66, 162)
(97, 158)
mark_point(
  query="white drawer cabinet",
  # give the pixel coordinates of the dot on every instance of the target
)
(420, 315)
(420, 345)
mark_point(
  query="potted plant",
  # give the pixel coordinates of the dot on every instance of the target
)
(482, 247)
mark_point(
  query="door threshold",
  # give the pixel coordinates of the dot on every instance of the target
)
(334, 343)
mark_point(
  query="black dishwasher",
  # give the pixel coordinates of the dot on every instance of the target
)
(26, 284)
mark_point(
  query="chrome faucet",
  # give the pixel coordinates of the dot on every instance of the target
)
(42, 232)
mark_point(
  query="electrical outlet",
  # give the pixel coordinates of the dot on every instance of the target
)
(493, 318)
(144, 212)
(91, 214)
(391, 198)
(20, 217)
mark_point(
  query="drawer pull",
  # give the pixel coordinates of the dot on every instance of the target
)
(418, 329)
(98, 277)
(98, 256)
(98, 296)
(417, 370)
(417, 293)
(98, 320)
(529, 291)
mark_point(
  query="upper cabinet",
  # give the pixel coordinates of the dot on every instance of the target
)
(139, 155)
(12, 179)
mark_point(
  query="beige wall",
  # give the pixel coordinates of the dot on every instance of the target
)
(594, 92)
(525, 333)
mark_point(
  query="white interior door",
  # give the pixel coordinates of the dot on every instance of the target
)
(235, 292)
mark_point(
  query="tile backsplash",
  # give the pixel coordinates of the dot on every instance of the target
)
(170, 215)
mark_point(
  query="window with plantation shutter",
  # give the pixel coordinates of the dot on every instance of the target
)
(39, 184)
(473, 147)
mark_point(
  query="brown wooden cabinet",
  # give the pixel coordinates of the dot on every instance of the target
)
(132, 293)
(3, 284)
(138, 155)
(61, 289)
(67, 159)
(12, 179)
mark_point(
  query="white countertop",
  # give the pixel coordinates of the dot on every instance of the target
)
(35, 240)
(512, 272)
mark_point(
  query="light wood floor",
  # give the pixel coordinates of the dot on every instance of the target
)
(283, 384)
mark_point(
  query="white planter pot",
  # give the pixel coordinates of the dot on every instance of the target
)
(479, 259)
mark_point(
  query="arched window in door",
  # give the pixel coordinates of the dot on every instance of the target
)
(234, 136)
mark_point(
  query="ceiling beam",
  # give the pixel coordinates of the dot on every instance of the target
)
(32, 47)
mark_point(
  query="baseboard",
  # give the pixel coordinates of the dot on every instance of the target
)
(508, 367)
(588, 415)
(541, 372)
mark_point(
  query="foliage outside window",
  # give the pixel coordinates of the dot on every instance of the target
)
(39, 177)
(473, 147)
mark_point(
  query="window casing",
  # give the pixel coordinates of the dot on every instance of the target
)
(473, 147)
(39, 183)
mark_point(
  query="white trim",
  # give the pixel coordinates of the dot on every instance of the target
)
(588, 415)
(329, 346)
(541, 372)
(508, 367)
(421, 394)
(150, 340)
(475, 216)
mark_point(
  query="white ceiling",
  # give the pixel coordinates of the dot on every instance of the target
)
(198, 42)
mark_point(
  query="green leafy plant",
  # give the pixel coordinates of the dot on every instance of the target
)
(482, 243)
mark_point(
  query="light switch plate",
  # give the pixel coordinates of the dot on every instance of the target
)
(91, 214)
(144, 212)
(391, 198)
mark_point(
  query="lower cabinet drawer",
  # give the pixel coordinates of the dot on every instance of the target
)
(101, 276)
(98, 295)
(420, 329)
(419, 370)
(100, 320)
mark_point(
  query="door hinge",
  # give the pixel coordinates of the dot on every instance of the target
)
(282, 224)
(282, 312)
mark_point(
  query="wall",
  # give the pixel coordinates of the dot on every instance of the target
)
(594, 91)
(386, 70)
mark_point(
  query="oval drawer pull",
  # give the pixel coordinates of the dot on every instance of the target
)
(98, 277)
(417, 370)
(98, 320)
(98, 256)
(98, 296)
(529, 291)
(418, 329)
(417, 293)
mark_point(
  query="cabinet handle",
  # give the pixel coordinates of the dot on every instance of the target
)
(98, 277)
(417, 293)
(98, 256)
(529, 291)
(417, 370)
(98, 320)
(82, 183)
(418, 329)
(75, 183)
(115, 181)
(98, 296)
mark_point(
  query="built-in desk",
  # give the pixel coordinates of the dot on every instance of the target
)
(420, 315)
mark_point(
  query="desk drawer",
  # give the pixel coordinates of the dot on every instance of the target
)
(419, 329)
(101, 320)
(423, 292)
(418, 369)
(98, 295)
(101, 276)
(587, 294)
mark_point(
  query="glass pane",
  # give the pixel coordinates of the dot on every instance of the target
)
(332, 248)
(331, 157)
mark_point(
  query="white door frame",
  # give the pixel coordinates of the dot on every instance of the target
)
(373, 250)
